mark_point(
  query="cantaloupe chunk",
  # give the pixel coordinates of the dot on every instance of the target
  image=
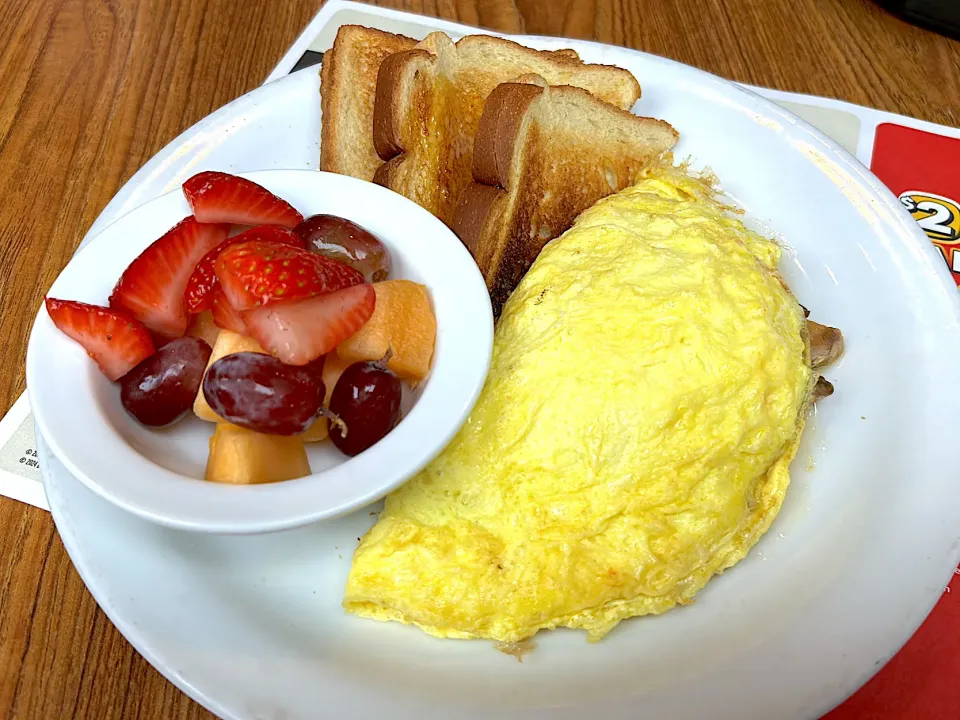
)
(202, 326)
(333, 368)
(403, 321)
(229, 342)
(244, 457)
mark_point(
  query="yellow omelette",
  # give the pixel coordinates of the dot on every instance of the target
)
(647, 392)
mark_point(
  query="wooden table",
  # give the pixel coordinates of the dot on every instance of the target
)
(93, 88)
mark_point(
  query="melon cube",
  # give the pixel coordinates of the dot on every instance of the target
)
(402, 322)
(333, 368)
(244, 457)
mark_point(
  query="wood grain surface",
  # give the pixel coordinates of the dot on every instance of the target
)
(93, 88)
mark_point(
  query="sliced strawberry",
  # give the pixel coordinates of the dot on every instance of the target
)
(151, 288)
(115, 341)
(199, 296)
(219, 197)
(303, 330)
(225, 317)
(257, 273)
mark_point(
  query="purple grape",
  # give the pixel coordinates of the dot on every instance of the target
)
(258, 392)
(162, 388)
(342, 240)
(366, 399)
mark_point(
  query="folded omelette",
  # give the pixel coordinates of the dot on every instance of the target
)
(647, 392)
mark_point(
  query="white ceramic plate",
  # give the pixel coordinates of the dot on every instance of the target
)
(158, 473)
(866, 541)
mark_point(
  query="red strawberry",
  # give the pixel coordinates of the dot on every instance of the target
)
(199, 296)
(224, 316)
(303, 330)
(116, 342)
(151, 288)
(219, 197)
(256, 273)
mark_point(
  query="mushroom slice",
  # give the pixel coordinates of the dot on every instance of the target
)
(826, 344)
(823, 388)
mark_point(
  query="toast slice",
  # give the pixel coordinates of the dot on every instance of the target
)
(430, 99)
(542, 156)
(348, 85)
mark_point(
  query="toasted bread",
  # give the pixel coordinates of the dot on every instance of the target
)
(348, 84)
(430, 99)
(542, 156)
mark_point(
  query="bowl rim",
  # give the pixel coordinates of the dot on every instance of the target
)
(459, 369)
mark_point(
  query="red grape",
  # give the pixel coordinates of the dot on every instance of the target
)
(163, 387)
(366, 399)
(342, 240)
(258, 392)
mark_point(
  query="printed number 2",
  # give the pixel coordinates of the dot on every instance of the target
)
(939, 221)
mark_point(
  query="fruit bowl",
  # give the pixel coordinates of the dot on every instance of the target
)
(158, 473)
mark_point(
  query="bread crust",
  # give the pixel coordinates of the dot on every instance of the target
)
(474, 209)
(401, 120)
(390, 105)
(528, 187)
(498, 131)
(348, 80)
(329, 131)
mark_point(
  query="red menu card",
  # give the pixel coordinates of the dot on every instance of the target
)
(921, 681)
(923, 170)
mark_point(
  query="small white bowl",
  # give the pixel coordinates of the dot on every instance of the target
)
(158, 474)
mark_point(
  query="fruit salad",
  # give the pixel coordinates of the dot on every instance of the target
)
(279, 329)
